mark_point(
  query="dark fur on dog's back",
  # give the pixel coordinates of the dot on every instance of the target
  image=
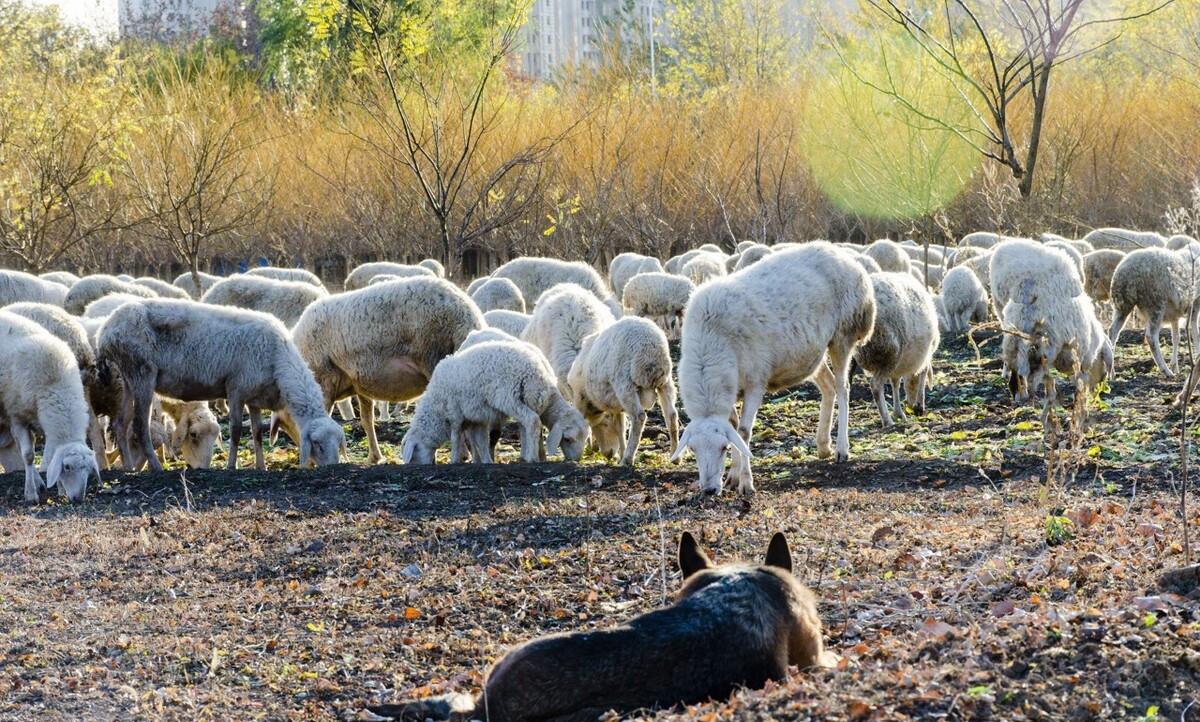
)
(732, 626)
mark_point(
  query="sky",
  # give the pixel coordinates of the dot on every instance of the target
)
(100, 15)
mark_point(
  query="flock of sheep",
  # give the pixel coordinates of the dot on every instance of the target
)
(106, 367)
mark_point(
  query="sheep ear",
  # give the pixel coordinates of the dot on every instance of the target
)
(554, 439)
(778, 554)
(692, 558)
(274, 435)
(406, 451)
(96, 470)
(738, 442)
(305, 449)
(682, 447)
(54, 469)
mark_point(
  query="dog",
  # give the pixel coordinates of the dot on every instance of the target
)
(731, 626)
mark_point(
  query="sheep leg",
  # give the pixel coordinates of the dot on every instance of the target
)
(1153, 329)
(839, 360)
(533, 447)
(458, 444)
(33, 480)
(478, 438)
(878, 391)
(383, 412)
(260, 463)
(367, 415)
(828, 388)
(143, 401)
(96, 439)
(345, 408)
(666, 402)
(235, 431)
(1175, 345)
(739, 469)
(631, 402)
(1118, 323)
(897, 402)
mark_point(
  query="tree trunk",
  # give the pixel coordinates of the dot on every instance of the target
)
(1035, 132)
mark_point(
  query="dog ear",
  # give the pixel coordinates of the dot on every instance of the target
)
(778, 554)
(692, 558)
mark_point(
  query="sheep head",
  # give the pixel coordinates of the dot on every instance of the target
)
(70, 468)
(709, 438)
(321, 442)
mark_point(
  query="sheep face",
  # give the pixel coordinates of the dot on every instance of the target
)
(70, 468)
(709, 438)
(321, 442)
(570, 434)
(196, 437)
(416, 451)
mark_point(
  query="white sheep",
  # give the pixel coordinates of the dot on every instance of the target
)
(40, 386)
(772, 325)
(930, 277)
(161, 288)
(382, 342)
(296, 275)
(64, 278)
(619, 372)
(1162, 285)
(980, 239)
(900, 349)
(285, 300)
(1122, 239)
(104, 306)
(188, 284)
(476, 389)
(498, 294)
(363, 273)
(918, 256)
(435, 266)
(91, 288)
(963, 300)
(1072, 252)
(660, 297)
(475, 284)
(195, 433)
(1179, 241)
(675, 264)
(511, 322)
(1018, 259)
(18, 287)
(534, 276)
(752, 255)
(869, 265)
(963, 254)
(889, 255)
(627, 265)
(1098, 268)
(561, 319)
(195, 352)
(703, 268)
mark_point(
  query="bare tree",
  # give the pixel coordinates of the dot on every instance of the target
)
(999, 56)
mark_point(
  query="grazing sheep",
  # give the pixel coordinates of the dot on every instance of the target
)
(188, 284)
(296, 275)
(1071, 251)
(362, 274)
(104, 306)
(1098, 268)
(561, 319)
(1162, 285)
(161, 288)
(63, 278)
(752, 255)
(901, 346)
(963, 300)
(196, 432)
(510, 322)
(498, 294)
(90, 288)
(40, 386)
(770, 326)
(660, 297)
(1122, 239)
(435, 266)
(981, 266)
(476, 389)
(18, 287)
(1018, 259)
(285, 300)
(889, 255)
(619, 372)
(535, 276)
(627, 265)
(980, 239)
(704, 267)
(382, 342)
(195, 352)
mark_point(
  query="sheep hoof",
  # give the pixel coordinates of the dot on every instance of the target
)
(842, 457)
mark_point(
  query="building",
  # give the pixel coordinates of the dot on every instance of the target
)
(571, 32)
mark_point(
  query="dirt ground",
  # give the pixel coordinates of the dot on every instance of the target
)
(296, 595)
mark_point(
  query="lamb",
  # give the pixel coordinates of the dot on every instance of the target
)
(1098, 268)
(188, 284)
(285, 300)
(296, 275)
(362, 274)
(627, 265)
(433, 266)
(704, 267)
(511, 322)
(90, 288)
(383, 342)
(476, 389)
(498, 294)
(619, 372)
(194, 352)
(889, 255)
(64, 278)
(17, 287)
(1122, 239)
(534, 276)
(660, 297)
(161, 289)
(770, 326)
(963, 300)
(196, 432)
(1162, 285)
(752, 255)
(40, 386)
(1018, 259)
(900, 349)
(561, 319)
